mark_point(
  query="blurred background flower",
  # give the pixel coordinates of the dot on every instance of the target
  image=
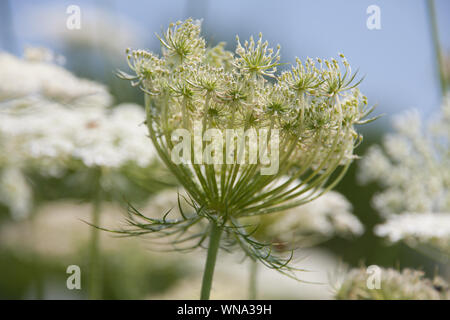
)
(407, 284)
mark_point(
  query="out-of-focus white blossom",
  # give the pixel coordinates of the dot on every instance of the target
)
(15, 192)
(51, 120)
(414, 170)
(394, 285)
(413, 167)
(42, 54)
(418, 228)
(38, 80)
(328, 216)
(325, 217)
(65, 117)
(97, 137)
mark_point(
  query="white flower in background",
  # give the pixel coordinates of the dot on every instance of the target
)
(414, 170)
(39, 81)
(418, 228)
(413, 167)
(50, 120)
(15, 192)
(53, 138)
(64, 117)
(97, 137)
(406, 285)
(113, 139)
(42, 54)
(325, 217)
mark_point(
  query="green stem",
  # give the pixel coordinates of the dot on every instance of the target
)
(35, 259)
(437, 45)
(94, 270)
(252, 292)
(214, 243)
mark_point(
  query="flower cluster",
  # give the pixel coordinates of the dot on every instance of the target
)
(96, 137)
(394, 285)
(51, 121)
(413, 166)
(314, 107)
(58, 117)
(15, 192)
(418, 228)
(38, 80)
(316, 221)
(413, 169)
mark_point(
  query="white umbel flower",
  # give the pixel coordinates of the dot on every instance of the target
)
(40, 80)
(418, 228)
(408, 284)
(413, 167)
(96, 137)
(51, 120)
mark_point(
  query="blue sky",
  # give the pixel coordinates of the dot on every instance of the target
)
(398, 61)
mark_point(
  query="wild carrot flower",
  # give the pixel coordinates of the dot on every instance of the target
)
(413, 169)
(301, 121)
(418, 229)
(393, 285)
(52, 122)
(92, 137)
(38, 80)
(412, 166)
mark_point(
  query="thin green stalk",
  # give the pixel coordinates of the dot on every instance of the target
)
(252, 287)
(35, 259)
(436, 44)
(94, 270)
(214, 244)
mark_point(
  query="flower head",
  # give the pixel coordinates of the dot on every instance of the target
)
(412, 167)
(256, 59)
(53, 122)
(302, 120)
